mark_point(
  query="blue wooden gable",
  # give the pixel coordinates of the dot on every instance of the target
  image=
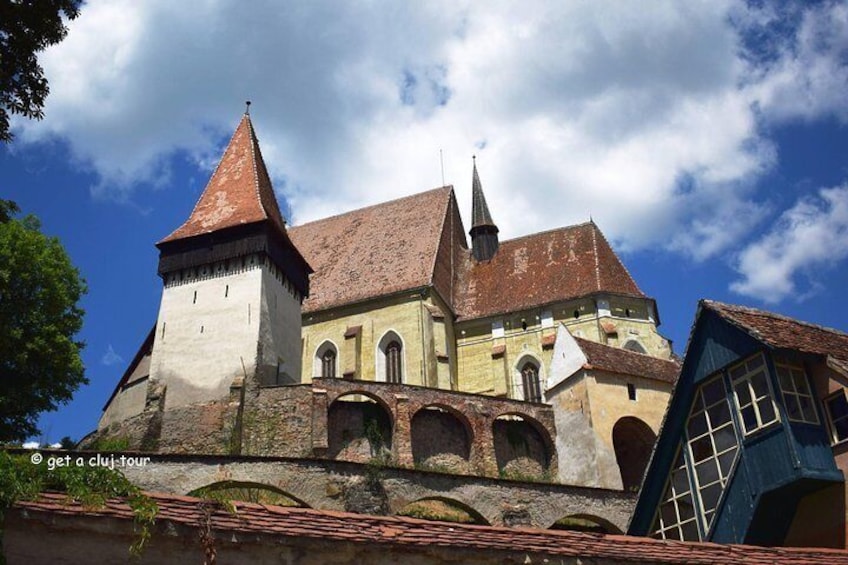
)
(772, 469)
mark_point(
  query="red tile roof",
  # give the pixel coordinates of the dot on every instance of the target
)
(782, 332)
(398, 533)
(374, 251)
(624, 362)
(542, 268)
(239, 191)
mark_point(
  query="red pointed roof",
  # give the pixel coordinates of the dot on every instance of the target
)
(238, 193)
(542, 268)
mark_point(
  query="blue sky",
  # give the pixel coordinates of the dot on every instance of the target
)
(709, 140)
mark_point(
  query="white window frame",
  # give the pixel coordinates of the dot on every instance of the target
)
(749, 370)
(786, 374)
(834, 439)
(716, 457)
(674, 496)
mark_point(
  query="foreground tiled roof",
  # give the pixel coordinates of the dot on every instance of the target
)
(399, 533)
(622, 361)
(373, 251)
(239, 191)
(541, 269)
(782, 332)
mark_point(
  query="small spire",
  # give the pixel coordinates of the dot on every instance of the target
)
(484, 232)
(247, 107)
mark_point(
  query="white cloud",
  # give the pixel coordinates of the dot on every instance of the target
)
(110, 357)
(807, 238)
(647, 119)
(31, 445)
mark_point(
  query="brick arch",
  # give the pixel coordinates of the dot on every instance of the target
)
(231, 485)
(476, 516)
(523, 446)
(359, 430)
(442, 439)
(602, 525)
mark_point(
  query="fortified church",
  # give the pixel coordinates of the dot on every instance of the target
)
(384, 334)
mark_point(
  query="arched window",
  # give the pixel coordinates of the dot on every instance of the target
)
(328, 363)
(530, 382)
(324, 363)
(635, 346)
(393, 362)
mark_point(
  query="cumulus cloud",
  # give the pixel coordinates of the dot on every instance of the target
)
(110, 357)
(651, 120)
(807, 238)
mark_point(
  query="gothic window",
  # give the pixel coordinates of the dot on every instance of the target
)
(324, 364)
(328, 363)
(530, 382)
(393, 362)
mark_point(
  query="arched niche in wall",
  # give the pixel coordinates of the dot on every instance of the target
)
(441, 440)
(522, 447)
(359, 428)
(633, 440)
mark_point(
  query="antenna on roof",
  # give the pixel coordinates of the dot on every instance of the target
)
(442, 163)
(247, 107)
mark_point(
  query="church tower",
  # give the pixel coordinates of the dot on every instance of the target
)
(484, 232)
(233, 286)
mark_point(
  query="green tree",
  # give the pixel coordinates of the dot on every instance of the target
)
(40, 364)
(27, 27)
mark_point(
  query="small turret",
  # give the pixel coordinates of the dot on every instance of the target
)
(484, 232)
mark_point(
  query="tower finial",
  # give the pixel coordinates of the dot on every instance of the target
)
(484, 232)
(247, 107)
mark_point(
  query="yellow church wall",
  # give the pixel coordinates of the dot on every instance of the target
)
(407, 315)
(479, 371)
(609, 401)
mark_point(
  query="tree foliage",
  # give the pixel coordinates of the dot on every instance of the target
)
(27, 27)
(40, 364)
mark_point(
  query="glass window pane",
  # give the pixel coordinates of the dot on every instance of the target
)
(766, 410)
(673, 533)
(697, 425)
(726, 462)
(749, 418)
(668, 513)
(838, 406)
(707, 472)
(800, 382)
(713, 392)
(758, 381)
(737, 372)
(793, 409)
(710, 496)
(841, 429)
(690, 531)
(742, 393)
(702, 449)
(685, 508)
(725, 438)
(808, 411)
(755, 362)
(680, 481)
(719, 414)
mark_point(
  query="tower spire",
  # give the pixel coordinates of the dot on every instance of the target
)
(484, 232)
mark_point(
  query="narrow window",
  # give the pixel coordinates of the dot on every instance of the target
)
(201, 329)
(194, 300)
(631, 391)
(523, 325)
(226, 291)
(393, 362)
(328, 363)
(576, 314)
(530, 382)
(163, 330)
(837, 416)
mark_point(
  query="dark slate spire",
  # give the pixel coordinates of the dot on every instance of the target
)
(484, 232)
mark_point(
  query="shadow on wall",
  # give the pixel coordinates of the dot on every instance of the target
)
(633, 441)
(521, 451)
(360, 429)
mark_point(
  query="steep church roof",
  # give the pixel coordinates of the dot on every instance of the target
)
(543, 268)
(377, 251)
(239, 191)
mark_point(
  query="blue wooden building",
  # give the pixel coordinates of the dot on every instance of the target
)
(755, 437)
